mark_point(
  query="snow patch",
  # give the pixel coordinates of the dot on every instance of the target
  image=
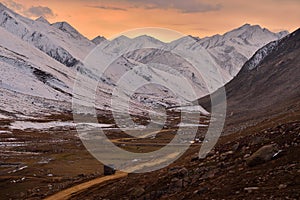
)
(3, 117)
(4, 132)
(191, 125)
(198, 109)
(22, 125)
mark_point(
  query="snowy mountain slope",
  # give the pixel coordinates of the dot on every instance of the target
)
(22, 63)
(217, 58)
(60, 41)
(29, 64)
(255, 61)
(206, 63)
(146, 78)
(124, 56)
(32, 83)
(30, 79)
(233, 49)
(19, 106)
(260, 55)
(123, 44)
(267, 86)
(180, 63)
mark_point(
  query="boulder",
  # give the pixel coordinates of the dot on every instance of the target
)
(179, 172)
(264, 154)
(282, 186)
(250, 189)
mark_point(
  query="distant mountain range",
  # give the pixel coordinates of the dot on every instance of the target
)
(39, 62)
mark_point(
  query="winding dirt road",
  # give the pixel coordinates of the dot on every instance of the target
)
(67, 193)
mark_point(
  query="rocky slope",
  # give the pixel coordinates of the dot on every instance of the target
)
(224, 174)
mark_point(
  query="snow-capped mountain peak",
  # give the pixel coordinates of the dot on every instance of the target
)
(183, 42)
(97, 40)
(123, 44)
(58, 42)
(43, 20)
(67, 28)
(121, 38)
(147, 38)
(186, 38)
(282, 34)
(235, 47)
(194, 37)
(245, 31)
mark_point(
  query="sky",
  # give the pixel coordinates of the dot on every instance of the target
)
(200, 18)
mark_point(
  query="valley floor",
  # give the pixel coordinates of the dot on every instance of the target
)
(224, 174)
(37, 164)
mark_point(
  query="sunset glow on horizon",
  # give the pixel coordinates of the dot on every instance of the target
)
(191, 17)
